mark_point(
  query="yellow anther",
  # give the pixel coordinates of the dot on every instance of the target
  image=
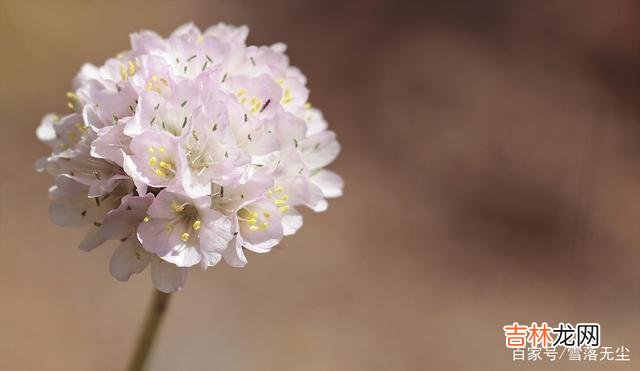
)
(286, 97)
(284, 197)
(161, 173)
(152, 84)
(73, 96)
(264, 225)
(176, 206)
(284, 209)
(161, 149)
(307, 106)
(184, 237)
(279, 189)
(280, 202)
(251, 221)
(254, 228)
(240, 93)
(146, 219)
(196, 225)
(166, 165)
(132, 68)
(127, 70)
(153, 161)
(151, 149)
(168, 227)
(279, 81)
(123, 73)
(266, 214)
(254, 215)
(81, 127)
(254, 105)
(70, 105)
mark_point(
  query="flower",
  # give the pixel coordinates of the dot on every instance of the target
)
(188, 150)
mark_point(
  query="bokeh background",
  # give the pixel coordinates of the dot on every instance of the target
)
(491, 152)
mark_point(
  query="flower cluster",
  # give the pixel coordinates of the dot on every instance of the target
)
(188, 150)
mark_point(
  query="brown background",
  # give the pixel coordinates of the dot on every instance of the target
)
(491, 152)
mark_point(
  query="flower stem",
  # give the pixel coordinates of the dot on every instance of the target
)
(155, 313)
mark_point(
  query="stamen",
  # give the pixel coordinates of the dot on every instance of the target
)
(176, 206)
(286, 97)
(184, 237)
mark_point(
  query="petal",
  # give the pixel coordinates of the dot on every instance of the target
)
(46, 132)
(167, 277)
(154, 238)
(215, 232)
(127, 259)
(291, 222)
(320, 150)
(233, 255)
(330, 183)
(69, 202)
(92, 239)
(183, 255)
(209, 258)
(123, 221)
(111, 144)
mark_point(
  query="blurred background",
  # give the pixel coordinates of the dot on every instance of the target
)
(491, 152)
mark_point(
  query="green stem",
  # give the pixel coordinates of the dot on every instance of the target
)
(156, 312)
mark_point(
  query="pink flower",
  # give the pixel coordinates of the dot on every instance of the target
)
(184, 231)
(187, 150)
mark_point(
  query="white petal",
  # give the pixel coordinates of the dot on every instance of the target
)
(321, 206)
(320, 149)
(234, 256)
(329, 182)
(92, 240)
(127, 259)
(45, 131)
(183, 256)
(167, 277)
(209, 258)
(291, 222)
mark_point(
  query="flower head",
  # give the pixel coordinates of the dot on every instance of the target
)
(188, 150)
